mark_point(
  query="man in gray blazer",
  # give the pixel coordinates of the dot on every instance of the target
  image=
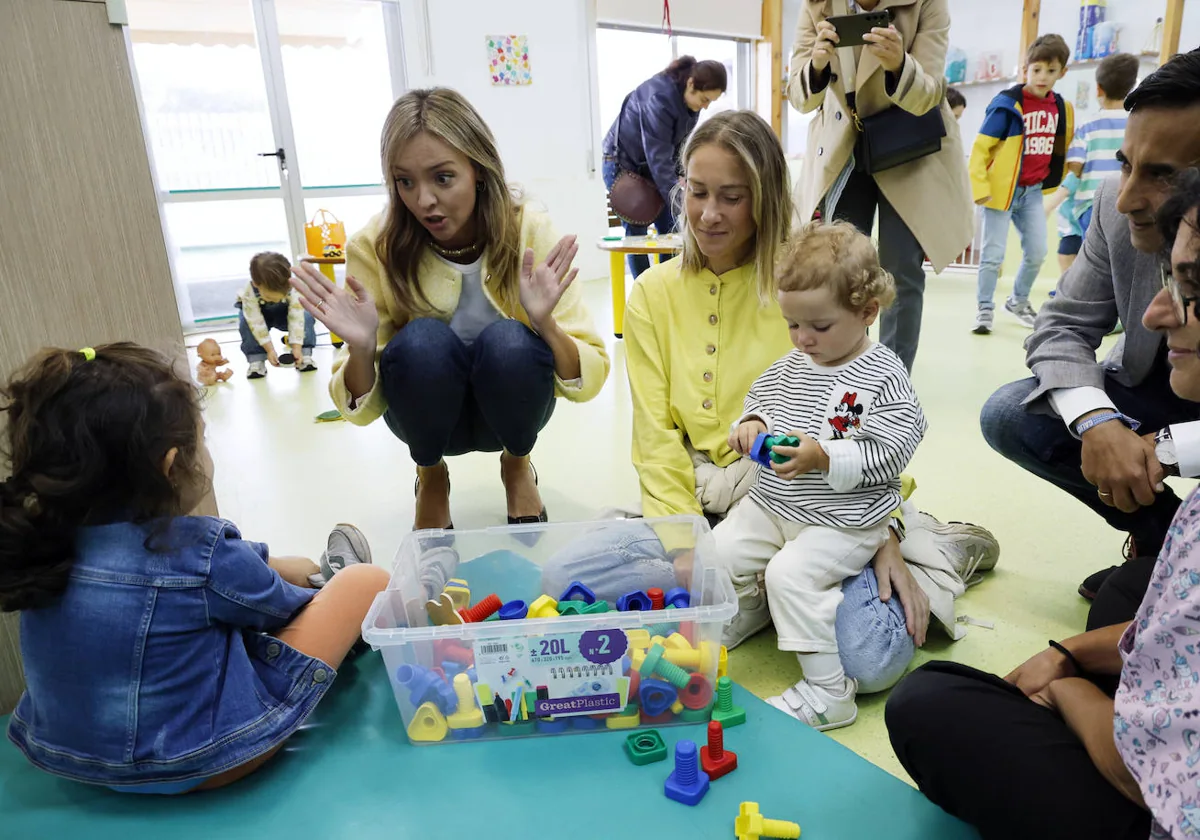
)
(1108, 431)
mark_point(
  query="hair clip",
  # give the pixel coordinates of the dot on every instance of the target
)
(88, 354)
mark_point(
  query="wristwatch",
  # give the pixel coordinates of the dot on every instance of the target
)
(1164, 450)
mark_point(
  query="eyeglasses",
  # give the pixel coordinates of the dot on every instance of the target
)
(1183, 303)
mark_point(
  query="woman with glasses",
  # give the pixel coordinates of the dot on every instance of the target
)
(460, 320)
(1049, 751)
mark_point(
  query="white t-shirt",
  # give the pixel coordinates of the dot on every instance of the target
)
(475, 312)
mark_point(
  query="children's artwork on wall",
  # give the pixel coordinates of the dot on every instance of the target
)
(1083, 95)
(508, 59)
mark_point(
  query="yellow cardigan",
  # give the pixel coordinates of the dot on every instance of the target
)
(695, 343)
(442, 286)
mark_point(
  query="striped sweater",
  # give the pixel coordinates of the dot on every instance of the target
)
(866, 417)
(1095, 148)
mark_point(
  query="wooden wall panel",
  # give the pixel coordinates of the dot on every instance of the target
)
(82, 255)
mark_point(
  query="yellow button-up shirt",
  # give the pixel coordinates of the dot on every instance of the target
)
(695, 343)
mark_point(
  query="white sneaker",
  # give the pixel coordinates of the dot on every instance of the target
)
(754, 614)
(257, 370)
(346, 546)
(1022, 311)
(306, 364)
(983, 322)
(812, 705)
(970, 549)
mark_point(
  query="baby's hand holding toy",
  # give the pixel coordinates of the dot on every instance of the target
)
(741, 439)
(804, 458)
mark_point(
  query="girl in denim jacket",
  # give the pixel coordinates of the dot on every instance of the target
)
(163, 653)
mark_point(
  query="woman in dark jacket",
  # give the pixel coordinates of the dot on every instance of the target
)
(649, 131)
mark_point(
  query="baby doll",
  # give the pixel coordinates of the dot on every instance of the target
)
(211, 359)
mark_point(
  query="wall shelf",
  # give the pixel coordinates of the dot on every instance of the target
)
(1003, 80)
(1093, 62)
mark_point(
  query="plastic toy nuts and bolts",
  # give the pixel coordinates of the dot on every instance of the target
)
(487, 607)
(715, 760)
(645, 747)
(543, 607)
(751, 825)
(679, 598)
(657, 599)
(577, 591)
(514, 610)
(468, 715)
(723, 662)
(725, 713)
(698, 660)
(633, 601)
(687, 783)
(656, 664)
(428, 724)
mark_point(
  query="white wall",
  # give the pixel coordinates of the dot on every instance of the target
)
(545, 131)
(728, 18)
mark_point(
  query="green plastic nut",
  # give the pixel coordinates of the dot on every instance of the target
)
(781, 440)
(645, 747)
(697, 715)
(570, 607)
(598, 607)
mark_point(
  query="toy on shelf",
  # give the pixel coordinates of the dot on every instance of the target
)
(687, 783)
(763, 449)
(715, 760)
(725, 712)
(645, 747)
(751, 825)
(207, 370)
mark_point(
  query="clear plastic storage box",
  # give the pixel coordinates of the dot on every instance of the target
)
(590, 669)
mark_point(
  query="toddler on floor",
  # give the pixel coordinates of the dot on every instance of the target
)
(269, 302)
(163, 653)
(818, 518)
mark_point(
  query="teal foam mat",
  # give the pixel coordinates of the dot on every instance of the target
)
(351, 774)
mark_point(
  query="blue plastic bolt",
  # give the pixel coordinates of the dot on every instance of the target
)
(679, 598)
(578, 592)
(513, 611)
(687, 783)
(634, 601)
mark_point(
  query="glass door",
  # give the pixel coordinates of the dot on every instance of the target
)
(260, 112)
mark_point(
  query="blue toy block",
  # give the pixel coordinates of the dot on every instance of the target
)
(406, 674)
(450, 668)
(584, 722)
(760, 450)
(687, 783)
(553, 725)
(679, 598)
(634, 601)
(474, 732)
(444, 697)
(656, 697)
(513, 611)
(578, 592)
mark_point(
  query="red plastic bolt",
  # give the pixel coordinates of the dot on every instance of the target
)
(488, 606)
(656, 598)
(715, 760)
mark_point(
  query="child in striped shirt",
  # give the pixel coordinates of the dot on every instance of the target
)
(269, 302)
(818, 518)
(1093, 153)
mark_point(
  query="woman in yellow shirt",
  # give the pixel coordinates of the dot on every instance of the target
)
(699, 330)
(460, 320)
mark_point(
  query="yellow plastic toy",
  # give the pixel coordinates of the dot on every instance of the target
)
(467, 715)
(677, 707)
(678, 641)
(638, 639)
(459, 592)
(428, 724)
(543, 607)
(697, 660)
(441, 611)
(722, 662)
(750, 825)
(630, 717)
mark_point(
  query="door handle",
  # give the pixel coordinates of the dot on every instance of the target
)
(278, 153)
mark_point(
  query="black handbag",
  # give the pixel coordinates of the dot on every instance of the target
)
(894, 137)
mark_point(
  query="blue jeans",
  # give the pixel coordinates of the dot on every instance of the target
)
(447, 398)
(1027, 214)
(1041, 444)
(665, 223)
(276, 316)
(625, 555)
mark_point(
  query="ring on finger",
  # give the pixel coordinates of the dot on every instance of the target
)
(321, 305)
(1104, 494)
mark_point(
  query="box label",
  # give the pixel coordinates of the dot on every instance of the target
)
(556, 675)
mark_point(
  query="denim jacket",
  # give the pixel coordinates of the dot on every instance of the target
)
(154, 665)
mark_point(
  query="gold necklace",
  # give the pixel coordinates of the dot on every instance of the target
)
(452, 253)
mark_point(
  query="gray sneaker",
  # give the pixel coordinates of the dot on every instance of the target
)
(346, 546)
(1023, 311)
(754, 614)
(970, 549)
(983, 322)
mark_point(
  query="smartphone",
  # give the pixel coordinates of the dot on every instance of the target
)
(852, 28)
